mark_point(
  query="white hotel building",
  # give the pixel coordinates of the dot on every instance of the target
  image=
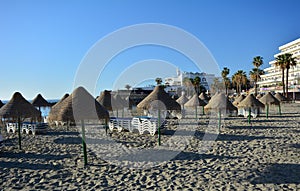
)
(177, 83)
(271, 80)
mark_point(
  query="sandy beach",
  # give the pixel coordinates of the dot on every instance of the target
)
(263, 155)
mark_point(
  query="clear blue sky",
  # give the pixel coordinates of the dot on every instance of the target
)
(43, 42)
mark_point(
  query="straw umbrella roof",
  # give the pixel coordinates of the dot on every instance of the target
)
(159, 94)
(56, 107)
(118, 103)
(220, 101)
(280, 97)
(39, 101)
(259, 96)
(269, 99)
(62, 99)
(18, 106)
(203, 96)
(182, 99)
(238, 99)
(250, 101)
(79, 105)
(195, 101)
(105, 99)
(1, 104)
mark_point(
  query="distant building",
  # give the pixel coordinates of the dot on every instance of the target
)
(178, 81)
(271, 80)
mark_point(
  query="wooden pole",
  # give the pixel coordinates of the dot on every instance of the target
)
(159, 141)
(196, 112)
(203, 110)
(267, 111)
(279, 109)
(219, 123)
(19, 132)
(106, 129)
(83, 143)
(249, 115)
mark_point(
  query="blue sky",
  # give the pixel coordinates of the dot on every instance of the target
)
(42, 43)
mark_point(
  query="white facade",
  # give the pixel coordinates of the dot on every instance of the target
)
(205, 79)
(272, 78)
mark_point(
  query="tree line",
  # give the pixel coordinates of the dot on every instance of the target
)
(239, 80)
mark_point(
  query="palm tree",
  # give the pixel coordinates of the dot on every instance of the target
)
(196, 83)
(216, 86)
(285, 61)
(280, 63)
(257, 62)
(226, 80)
(255, 74)
(289, 61)
(188, 83)
(240, 79)
(158, 81)
(127, 86)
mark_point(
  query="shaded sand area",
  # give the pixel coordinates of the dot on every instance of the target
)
(264, 155)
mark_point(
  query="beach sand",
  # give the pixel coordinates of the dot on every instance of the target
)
(263, 155)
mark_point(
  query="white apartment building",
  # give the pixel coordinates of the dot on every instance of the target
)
(272, 78)
(205, 79)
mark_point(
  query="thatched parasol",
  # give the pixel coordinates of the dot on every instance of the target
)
(238, 99)
(52, 116)
(1, 104)
(250, 102)
(159, 94)
(19, 108)
(182, 100)
(79, 105)
(39, 102)
(280, 97)
(220, 102)
(105, 99)
(195, 101)
(269, 99)
(118, 103)
(204, 97)
(259, 96)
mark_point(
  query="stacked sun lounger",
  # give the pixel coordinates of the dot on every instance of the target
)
(140, 124)
(27, 127)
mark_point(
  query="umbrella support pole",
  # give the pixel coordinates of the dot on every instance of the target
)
(105, 126)
(203, 110)
(279, 109)
(219, 121)
(19, 132)
(249, 115)
(159, 141)
(196, 113)
(83, 143)
(267, 111)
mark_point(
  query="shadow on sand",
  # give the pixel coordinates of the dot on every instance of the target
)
(279, 174)
(31, 166)
(163, 155)
(258, 127)
(78, 140)
(45, 157)
(69, 133)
